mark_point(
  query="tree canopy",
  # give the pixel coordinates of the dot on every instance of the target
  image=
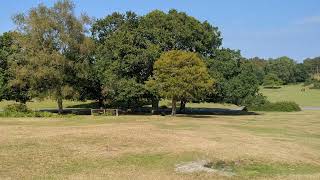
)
(272, 80)
(180, 75)
(53, 53)
(128, 46)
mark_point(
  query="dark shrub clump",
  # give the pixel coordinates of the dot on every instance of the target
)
(285, 106)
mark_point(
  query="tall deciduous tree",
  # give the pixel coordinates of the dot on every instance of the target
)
(180, 75)
(235, 76)
(54, 51)
(129, 45)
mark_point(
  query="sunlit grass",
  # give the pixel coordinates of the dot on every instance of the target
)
(309, 97)
(270, 145)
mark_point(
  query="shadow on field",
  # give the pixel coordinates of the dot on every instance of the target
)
(85, 109)
(216, 111)
(193, 112)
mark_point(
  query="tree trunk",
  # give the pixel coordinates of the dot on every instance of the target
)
(182, 106)
(60, 107)
(155, 105)
(174, 107)
(100, 102)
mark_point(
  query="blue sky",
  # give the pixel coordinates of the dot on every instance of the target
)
(264, 28)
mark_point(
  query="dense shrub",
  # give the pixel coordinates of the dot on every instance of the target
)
(253, 101)
(16, 108)
(21, 110)
(285, 106)
(27, 114)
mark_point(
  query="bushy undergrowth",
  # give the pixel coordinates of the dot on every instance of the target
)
(21, 110)
(16, 108)
(27, 114)
(285, 106)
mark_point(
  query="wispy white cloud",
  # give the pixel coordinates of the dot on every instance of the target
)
(309, 20)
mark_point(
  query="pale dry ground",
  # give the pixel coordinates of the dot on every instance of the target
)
(267, 146)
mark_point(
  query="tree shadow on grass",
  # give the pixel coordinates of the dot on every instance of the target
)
(91, 105)
(196, 116)
(206, 112)
(85, 109)
(217, 111)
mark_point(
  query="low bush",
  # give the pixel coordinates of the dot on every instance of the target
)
(285, 106)
(253, 101)
(16, 108)
(21, 110)
(27, 114)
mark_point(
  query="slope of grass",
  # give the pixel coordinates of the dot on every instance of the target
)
(268, 146)
(310, 97)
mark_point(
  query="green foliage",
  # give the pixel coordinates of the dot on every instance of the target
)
(128, 46)
(178, 31)
(3, 85)
(17, 108)
(235, 77)
(21, 110)
(54, 51)
(259, 68)
(283, 67)
(180, 75)
(27, 114)
(271, 81)
(7, 49)
(123, 92)
(284, 106)
(255, 101)
(312, 65)
(301, 73)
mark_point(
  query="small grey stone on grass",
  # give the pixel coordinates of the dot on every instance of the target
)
(200, 166)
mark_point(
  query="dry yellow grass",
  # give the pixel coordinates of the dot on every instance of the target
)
(267, 146)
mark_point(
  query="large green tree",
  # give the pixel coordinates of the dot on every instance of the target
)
(128, 46)
(235, 76)
(54, 53)
(180, 75)
(283, 67)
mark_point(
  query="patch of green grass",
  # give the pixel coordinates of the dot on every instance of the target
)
(164, 161)
(274, 169)
(186, 126)
(310, 97)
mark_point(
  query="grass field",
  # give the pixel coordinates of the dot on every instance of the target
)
(310, 97)
(267, 146)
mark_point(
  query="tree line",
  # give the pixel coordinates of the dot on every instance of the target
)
(127, 61)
